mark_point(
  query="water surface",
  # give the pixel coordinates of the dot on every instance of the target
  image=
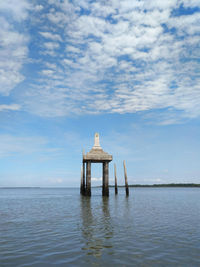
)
(58, 227)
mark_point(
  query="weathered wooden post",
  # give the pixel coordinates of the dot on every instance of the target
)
(116, 189)
(88, 178)
(126, 180)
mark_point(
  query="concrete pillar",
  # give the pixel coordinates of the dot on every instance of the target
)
(105, 187)
(81, 188)
(88, 178)
(103, 178)
(83, 168)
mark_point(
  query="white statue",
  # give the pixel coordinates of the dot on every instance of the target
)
(96, 142)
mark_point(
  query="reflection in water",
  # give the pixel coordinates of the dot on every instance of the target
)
(96, 225)
(153, 227)
(128, 214)
(106, 224)
(127, 205)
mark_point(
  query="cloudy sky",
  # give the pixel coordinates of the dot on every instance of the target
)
(129, 70)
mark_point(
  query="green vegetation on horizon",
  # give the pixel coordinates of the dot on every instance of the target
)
(162, 185)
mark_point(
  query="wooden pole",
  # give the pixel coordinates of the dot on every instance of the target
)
(116, 189)
(126, 180)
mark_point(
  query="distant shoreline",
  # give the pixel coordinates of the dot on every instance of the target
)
(20, 187)
(162, 185)
(132, 185)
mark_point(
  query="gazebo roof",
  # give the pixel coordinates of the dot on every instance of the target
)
(96, 154)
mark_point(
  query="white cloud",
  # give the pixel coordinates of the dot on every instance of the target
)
(162, 5)
(58, 18)
(47, 72)
(13, 107)
(52, 36)
(51, 45)
(72, 49)
(39, 7)
(190, 3)
(51, 65)
(118, 56)
(96, 179)
(13, 51)
(18, 9)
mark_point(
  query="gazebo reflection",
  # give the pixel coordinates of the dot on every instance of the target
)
(97, 230)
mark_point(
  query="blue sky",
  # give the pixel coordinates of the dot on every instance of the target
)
(129, 70)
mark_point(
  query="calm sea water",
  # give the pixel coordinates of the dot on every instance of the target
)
(58, 227)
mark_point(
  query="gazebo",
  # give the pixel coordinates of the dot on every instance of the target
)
(95, 155)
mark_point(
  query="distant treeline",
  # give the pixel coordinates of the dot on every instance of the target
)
(162, 185)
(20, 187)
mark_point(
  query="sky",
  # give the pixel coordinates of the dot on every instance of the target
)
(129, 70)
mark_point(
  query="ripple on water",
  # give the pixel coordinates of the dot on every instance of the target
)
(45, 227)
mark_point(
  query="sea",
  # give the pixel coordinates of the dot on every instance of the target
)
(59, 227)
